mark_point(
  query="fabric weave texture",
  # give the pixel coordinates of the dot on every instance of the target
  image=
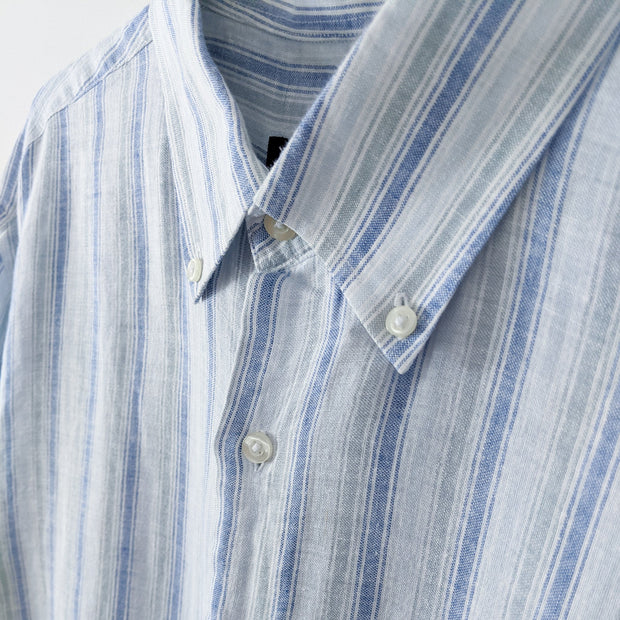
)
(459, 157)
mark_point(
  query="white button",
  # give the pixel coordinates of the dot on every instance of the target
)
(401, 321)
(257, 447)
(277, 230)
(194, 269)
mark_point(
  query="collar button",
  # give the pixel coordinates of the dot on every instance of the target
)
(277, 230)
(401, 321)
(194, 269)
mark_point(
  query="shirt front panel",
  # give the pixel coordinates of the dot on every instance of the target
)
(482, 481)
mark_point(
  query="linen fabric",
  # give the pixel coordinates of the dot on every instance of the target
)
(458, 157)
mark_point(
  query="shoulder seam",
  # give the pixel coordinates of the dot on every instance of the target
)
(38, 120)
(40, 124)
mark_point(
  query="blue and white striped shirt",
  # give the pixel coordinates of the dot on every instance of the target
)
(408, 409)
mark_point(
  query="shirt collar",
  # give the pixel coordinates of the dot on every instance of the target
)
(408, 159)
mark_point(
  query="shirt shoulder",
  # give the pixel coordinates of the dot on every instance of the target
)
(95, 65)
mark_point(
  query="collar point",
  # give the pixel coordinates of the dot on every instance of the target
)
(403, 360)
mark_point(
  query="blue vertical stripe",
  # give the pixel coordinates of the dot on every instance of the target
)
(586, 499)
(14, 550)
(295, 507)
(59, 251)
(131, 452)
(382, 491)
(601, 507)
(98, 124)
(175, 590)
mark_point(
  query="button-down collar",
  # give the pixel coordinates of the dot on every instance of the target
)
(407, 160)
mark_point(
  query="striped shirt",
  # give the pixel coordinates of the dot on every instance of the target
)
(378, 379)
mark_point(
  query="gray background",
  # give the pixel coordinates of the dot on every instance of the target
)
(38, 38)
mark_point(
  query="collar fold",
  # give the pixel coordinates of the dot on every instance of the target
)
(406, 162)
(214, 167)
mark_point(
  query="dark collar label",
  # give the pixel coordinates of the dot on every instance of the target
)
(274, 148)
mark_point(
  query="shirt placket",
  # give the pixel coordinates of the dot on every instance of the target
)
(261, 416)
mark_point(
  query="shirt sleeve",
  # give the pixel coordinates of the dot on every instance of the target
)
(9, 207)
